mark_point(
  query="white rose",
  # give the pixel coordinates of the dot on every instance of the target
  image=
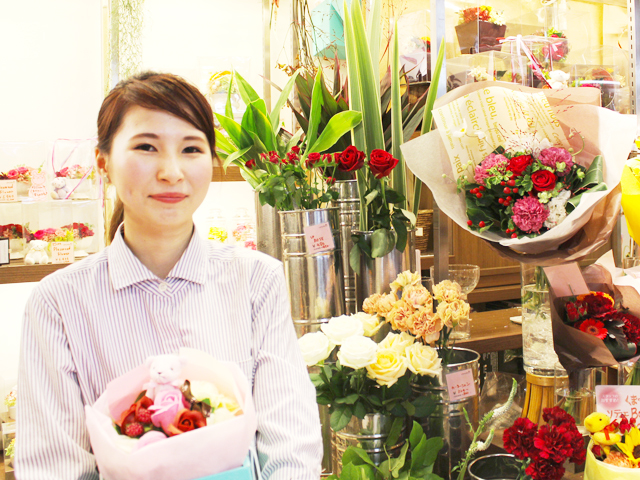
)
(201, 390)
(423, 360)
(340, 328)
(397, 342)
(219, 415)
(315, 348)
(357, 352)
(370, 323)
(390, 365)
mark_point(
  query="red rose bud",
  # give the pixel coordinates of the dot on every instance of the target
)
(543, 180)
(351, 159)
(250, 164)
(312, 159)
(382, 163)
(274, 158)
(330, 180)
(295, 149)
(517, 165)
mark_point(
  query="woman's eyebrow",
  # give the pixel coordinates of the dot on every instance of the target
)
(156, 137)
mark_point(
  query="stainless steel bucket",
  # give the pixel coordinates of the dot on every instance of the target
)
(268, 229)
(348, 204)
(376, 274)
(370, 434)
(448, 420)
(315, 281)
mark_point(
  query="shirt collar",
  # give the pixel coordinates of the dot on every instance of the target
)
(125, 269)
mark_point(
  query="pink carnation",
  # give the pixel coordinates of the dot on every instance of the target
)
(490, 161)
(529, 214)
(554, 155)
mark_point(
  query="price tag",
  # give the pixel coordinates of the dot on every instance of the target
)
(319, 238)
(460, 385)
(62, 252)
(4, 251)
(617, 400)
(8, 191)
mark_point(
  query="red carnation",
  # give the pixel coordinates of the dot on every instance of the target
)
(518, 439)
(631, 326)
(544, 470)
(557, 416)
(381, 163)
(517, 165)
(593, 327)
(553, 444)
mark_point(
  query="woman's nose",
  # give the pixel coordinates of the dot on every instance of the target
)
(170, 169)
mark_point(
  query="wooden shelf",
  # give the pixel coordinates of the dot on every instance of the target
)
(18, 272)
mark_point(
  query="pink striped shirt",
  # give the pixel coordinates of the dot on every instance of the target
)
(91, 322)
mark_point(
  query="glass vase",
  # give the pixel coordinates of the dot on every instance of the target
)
(575, 393)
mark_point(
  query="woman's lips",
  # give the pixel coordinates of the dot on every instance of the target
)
(169, 197)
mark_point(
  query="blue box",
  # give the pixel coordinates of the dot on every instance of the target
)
(245, 472)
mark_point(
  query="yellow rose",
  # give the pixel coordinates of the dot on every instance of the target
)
(389, 366)
(397, 342)
(453, 313)
(426, 325)
(369, 304)
(398, 315)
(405, 279)
(385, 303)
(447, 291)
(418, 296)
(370, 323)
(423, 360)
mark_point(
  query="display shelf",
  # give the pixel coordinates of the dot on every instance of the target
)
(18, 272)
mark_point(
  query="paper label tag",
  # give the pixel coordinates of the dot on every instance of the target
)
(8, 191)
(4, 251)
(62, 252)
(38, 190)
(319, 238)
(460, 385)
(617, 400)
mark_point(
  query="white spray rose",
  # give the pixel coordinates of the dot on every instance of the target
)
(370, 323)
(201, 390)
(397, 342)
(315, 348)
(423, 360)
(357, 352)
(557, 209)
(340, 328)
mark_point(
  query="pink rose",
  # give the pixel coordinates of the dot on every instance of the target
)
(166, 406)
(23, 170)
(13, 174)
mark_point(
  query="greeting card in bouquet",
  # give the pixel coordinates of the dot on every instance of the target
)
(178, 417)
(534, 174)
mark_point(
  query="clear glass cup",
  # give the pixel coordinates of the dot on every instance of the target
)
(537, 335)
(467, 276)
(575, 393)
(630, 262)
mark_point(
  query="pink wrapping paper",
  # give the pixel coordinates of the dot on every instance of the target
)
(192, 455)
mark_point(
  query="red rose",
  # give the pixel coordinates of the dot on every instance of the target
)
(330, 180)
(312, 159)
(274, 158)
(185, 421)
(250, 163)
(572, 312)
(518, 439)
(351, 159)
(543, 180)
(544, 470)
(381, 163)
(518, 164)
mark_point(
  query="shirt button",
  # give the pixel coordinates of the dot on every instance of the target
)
(163, 287)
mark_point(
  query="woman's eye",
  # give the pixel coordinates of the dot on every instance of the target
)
(192, 150)
(146, 147)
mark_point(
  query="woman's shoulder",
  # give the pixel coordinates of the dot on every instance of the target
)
(77, 273)
(243, 259)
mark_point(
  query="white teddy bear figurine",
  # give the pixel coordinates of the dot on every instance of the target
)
(165, 372)
(558, 79)
(37, 253)
(60, 190)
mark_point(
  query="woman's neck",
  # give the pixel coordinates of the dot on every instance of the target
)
(158, 251)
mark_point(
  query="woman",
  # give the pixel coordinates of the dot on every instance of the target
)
(156, 288)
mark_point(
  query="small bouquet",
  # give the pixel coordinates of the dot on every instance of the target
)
(542, 450)
(188, 416)
(613, 449)
(10, 398)
(63, 234)
(80, 230)
(366, 377)
(10, 450)
(558, 48)
(20, 174)
(75, 172)
(483, 13)
(12, 231)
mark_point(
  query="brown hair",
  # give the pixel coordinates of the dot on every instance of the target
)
(155, 91)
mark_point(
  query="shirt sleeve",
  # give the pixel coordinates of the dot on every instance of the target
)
(289, 437)
(52, 441)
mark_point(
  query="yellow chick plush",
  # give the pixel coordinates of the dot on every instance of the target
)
(596, 422)
(604, 439)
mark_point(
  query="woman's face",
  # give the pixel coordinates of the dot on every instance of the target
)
(161, 167)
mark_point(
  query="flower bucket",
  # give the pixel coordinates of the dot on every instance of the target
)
(268, 230)
(348, 204)
(500, 466)
(370, 434)
(448, 420)
(376, 274)
(479, 36)
(315, 280)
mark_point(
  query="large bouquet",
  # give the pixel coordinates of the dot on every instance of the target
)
(476, 119)
(187, 417)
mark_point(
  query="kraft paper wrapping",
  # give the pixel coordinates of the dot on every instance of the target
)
(575, 348)
(619, 283)
(588, 227)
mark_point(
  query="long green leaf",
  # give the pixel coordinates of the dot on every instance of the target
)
(247, 92)
(238, 135)
(223, 143)
(316, 109)
(374, 35)
(282, 99)
(232, 157)
(398, 175)
(262, 126)
(355, 95)
(338, 125)
(228, 110)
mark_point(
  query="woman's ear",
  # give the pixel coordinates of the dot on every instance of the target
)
(101, 161)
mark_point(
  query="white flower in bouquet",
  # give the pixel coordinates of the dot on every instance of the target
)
(220, 415)
(530, 143)
(315, 348)
(370, 323)
(389, 366)
(357, 352)
(405, 279)
(338, 329)
(397, 342)
(202, 390)
(423, 360)
(480, 74)
(498, 17)
(557, 209)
